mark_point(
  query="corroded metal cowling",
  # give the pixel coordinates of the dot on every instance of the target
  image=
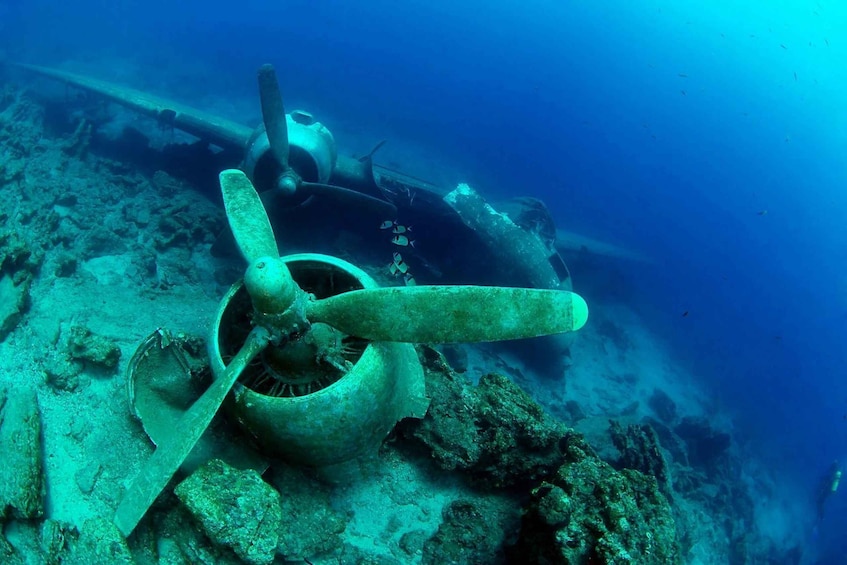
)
(323, 398)
(312, 146)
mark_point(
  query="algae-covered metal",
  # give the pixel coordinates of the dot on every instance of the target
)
(329, 407)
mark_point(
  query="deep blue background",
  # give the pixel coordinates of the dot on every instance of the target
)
(667, 127)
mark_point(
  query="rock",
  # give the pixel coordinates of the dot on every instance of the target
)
(22, 487)
(236, 509)
(14, 301)
(65, 264)
(663, 406)
(707, 447)
(8, 555)
(670, 442)
(412, 542)
(178, 541)
(87, 477)
(311, 525)
(591, 513)
(63, 374)
(181, 223)
(83, 345)
(494, 432)
(99, 541)
(456, 355)
(468, 535)
(639, 450)
(54, 541)
(101, 240)
(166, 185)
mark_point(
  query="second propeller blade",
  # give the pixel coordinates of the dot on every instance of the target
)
(451, 314)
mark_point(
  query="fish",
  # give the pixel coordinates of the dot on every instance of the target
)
(400, 265)
(401, 229)
(392, 268)
(795, 77)
(387, 224)
(783, 46)
(683, 75)
(762, 212)
(683, 92)
(402, 241)
(410, 280)
(825, 40)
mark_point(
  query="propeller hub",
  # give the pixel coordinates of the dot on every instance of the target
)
(278, 302)
(287, 183)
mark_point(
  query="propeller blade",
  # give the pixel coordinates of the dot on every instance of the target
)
(247, 217)
(450, 314)
(369, 157)
(175, 447)
(351, 197)
(273, 114)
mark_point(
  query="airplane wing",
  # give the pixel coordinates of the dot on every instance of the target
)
(218, 131)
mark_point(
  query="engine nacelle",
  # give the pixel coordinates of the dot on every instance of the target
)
(312, 152)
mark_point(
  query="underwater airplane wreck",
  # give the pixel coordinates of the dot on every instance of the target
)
(297, 157)
(308, 368)
(310, 362)
(328, 338)
(314, 195)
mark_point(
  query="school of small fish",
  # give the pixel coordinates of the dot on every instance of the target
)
(400, 237)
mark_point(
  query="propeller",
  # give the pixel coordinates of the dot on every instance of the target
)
(174, 448)
(434, 314)
(416, 314)
(273, 116)
(289, 182)
(274, 296)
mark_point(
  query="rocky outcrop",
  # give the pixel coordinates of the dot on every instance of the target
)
(22, 487)
(236, 509)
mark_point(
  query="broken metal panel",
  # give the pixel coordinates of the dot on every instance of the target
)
(523, 251)
(164, 379)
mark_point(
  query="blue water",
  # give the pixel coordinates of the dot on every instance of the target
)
(663, 125)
